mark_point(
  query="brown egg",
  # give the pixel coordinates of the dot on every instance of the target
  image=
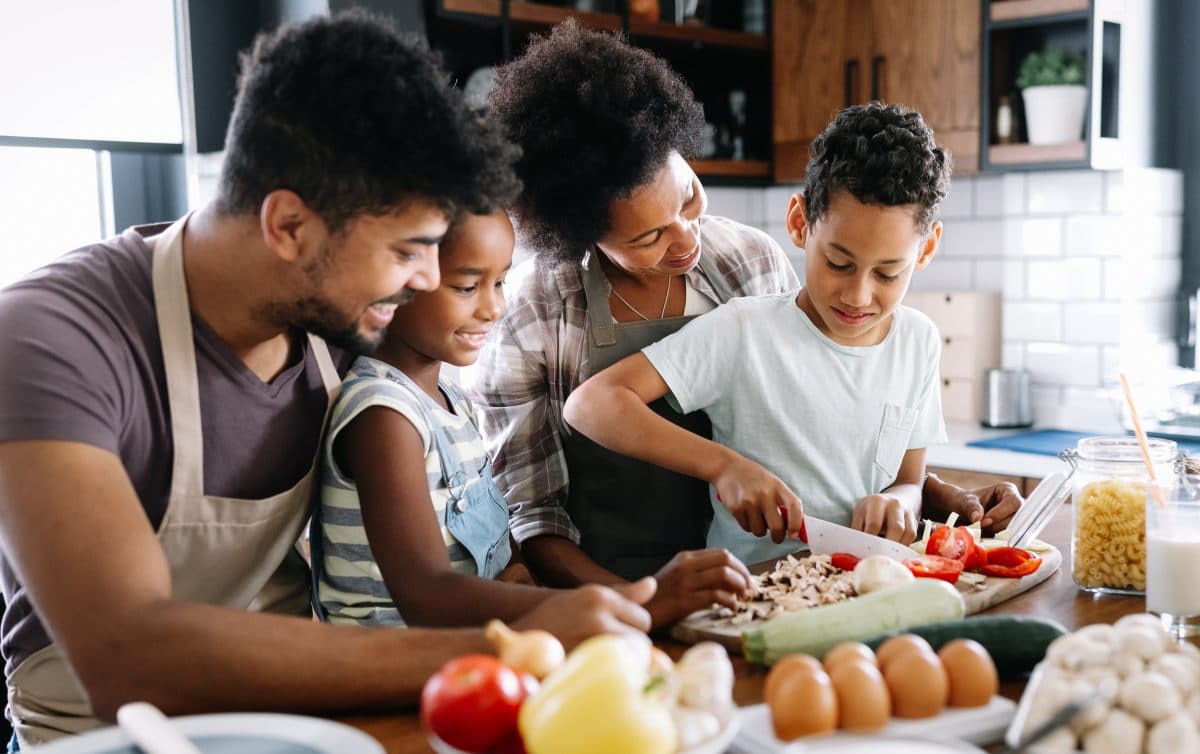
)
(972, 673)
(863, 700)
(918, 684)
(803, 704)
(898, 645)
(787, 666)
(849, 650)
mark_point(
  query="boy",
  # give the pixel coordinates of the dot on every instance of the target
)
(835, 387)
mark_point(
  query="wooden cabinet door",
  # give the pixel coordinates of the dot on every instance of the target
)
(821, 60)
(926, 54)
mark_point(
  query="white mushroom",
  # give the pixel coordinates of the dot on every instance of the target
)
(1062, 739)
(1101, 632)
(693, 727)
(1139, 619)
(1183, 671)
(1120, 733)
(879, 572)
(1095, 713)
(1175, 735)
(1187, 649)
(1150, 696)
(706, 678)
(1193, 706)
(1127, 664)
(1075, 652)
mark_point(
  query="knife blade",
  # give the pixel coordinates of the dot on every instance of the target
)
(826, 538)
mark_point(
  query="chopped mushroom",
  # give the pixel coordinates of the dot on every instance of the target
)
(793, 584)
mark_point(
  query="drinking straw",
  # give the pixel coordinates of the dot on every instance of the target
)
(1142, 442)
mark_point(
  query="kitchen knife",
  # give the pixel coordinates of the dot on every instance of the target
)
(825, 538)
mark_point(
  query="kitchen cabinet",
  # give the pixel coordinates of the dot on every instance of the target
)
(829, 54)
(969, 325)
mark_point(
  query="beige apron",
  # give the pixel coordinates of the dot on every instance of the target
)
(221, 551)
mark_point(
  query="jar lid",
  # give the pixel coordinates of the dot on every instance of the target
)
(1125, 448)
(1041, 505)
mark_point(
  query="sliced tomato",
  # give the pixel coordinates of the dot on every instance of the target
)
(954, 542)
(935, 567)
(844, 560)
(1009, 563)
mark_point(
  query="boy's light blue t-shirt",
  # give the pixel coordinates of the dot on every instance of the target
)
(832, 421)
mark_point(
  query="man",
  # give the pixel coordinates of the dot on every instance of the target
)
(164, 392)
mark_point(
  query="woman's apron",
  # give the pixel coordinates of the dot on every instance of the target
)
(221, 551)
(633, 516)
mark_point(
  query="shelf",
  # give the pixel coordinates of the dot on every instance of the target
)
(739, 168)
(698, 33)
(549, 15)
(534, 13)
(1020, 10)
(475, 7)
(1021, 154)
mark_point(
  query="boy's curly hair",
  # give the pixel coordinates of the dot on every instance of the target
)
(357, 119)
(881, 154)
(595, 118)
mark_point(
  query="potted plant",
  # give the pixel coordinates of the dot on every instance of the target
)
(1052, 86)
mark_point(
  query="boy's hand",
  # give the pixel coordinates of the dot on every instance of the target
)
(885, 515)
(577, 614)
(694, 580)
(759, 500)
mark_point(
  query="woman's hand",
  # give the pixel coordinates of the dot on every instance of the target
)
(758, 500)
(887, 516)
(573, 615)
(694, 580)
(993, 505)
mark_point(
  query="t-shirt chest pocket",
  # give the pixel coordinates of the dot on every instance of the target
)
(892, 442)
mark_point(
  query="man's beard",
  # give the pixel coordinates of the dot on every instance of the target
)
(319, 317)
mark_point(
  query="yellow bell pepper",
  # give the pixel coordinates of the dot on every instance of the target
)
(597, 702)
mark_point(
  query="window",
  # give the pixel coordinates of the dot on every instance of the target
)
(82, 83)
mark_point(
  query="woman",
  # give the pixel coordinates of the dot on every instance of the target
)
(624, 255)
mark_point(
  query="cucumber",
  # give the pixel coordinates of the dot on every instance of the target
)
(1016, 642)
(818, 629)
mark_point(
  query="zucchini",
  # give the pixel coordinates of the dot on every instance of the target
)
(817, 630)
(1016, 642)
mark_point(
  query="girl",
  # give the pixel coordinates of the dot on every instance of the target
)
(410, 528)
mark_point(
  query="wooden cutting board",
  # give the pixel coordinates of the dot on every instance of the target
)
(702, 626)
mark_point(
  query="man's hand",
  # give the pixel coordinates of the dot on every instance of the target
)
(694, 580)
(759, 500)
(885, 515)
(577, 614)
(993, 505)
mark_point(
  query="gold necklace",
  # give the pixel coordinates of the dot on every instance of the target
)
(633, 309)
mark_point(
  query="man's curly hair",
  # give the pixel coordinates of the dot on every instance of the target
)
(595, 119)
(357, 119)
(881, 154)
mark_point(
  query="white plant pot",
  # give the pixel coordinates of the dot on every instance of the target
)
(1054, 114)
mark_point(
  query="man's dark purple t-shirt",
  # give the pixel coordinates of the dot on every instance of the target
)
(80, 360)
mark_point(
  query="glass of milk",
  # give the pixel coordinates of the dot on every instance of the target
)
(1173, 554)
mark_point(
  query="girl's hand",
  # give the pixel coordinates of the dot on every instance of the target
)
(759, 500)
(887, 516)
(993, 505)
(694, 580)
(573, 615)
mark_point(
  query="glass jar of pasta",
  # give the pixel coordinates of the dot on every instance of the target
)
(1108, 510)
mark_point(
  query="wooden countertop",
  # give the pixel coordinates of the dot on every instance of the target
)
(1057, 599)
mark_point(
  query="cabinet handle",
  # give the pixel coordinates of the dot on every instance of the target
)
(877, 64)
(849, 74)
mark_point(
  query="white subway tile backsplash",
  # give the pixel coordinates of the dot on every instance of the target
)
(1145, 191)
(1033, 237)
(1014, 279)
(1064, 192)
(1092, 323)
(1000, 195)
(1062, 364)
(989, 275)
(944, 275)
(1046, 400)
(1155, 319)
(1142, 278)
(733, 203)
(1096, 235)
(1110, 365)
(1097, 410)
(775, 202)
(778, 232)
(1064, 279)
(960, 202)
(1012, 355)
(1026, 321)
(1154, 236)
(973, 238)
